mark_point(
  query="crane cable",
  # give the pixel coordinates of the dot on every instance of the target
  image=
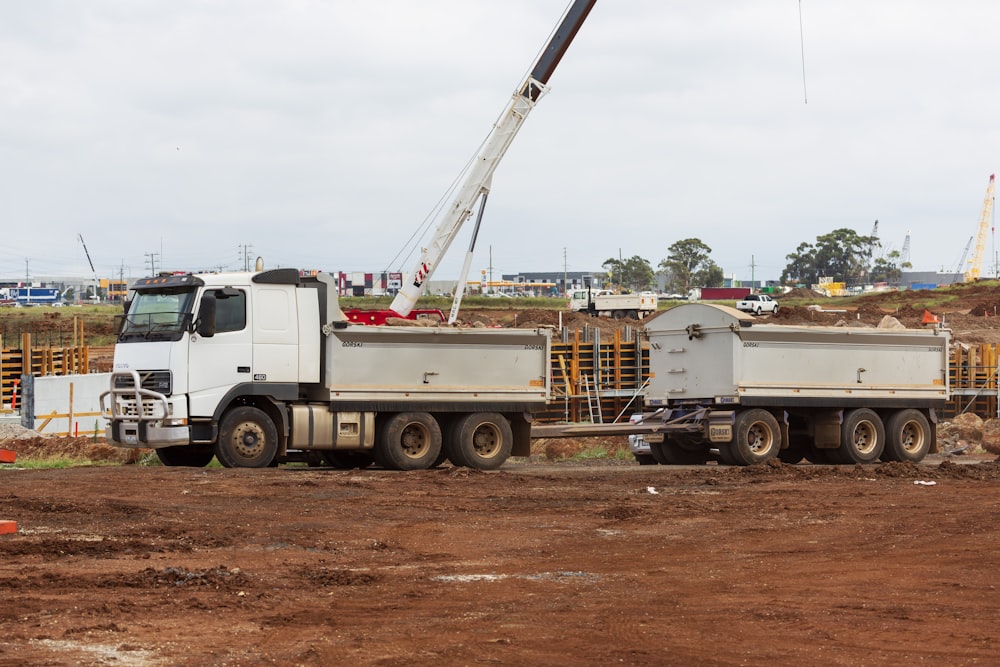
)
(802, 49)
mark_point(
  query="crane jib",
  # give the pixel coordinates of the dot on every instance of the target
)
(557, 46)
(477, 180)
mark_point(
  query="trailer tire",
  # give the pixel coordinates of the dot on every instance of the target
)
(247, 439)
(481, 440)
(408, 441)
(756, 437)
(191, 456)
(908, 436)
(862, 437)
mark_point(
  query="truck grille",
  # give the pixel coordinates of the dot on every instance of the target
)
(159, 381)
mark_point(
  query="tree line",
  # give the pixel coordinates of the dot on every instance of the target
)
(843, 255)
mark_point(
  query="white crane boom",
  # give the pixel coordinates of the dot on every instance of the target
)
(477, 183)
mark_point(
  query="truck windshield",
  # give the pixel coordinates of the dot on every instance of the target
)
(159, 315)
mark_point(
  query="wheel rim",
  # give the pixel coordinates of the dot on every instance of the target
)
(415, 441)
(759, 438)
(911, 437)
(487, 441)
(865, 438)
(248, 440)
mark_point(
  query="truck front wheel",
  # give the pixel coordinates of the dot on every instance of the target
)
(408, 441)
(908, 436)
(756, 437)
(192, 456)
(481, 440)
(247, 439)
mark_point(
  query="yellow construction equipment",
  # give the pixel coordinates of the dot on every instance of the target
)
(984, 229)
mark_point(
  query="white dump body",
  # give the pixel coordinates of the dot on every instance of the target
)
(413, 364)
(715, 354)
(638, 302)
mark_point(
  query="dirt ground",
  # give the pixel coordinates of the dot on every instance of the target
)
(535, 564)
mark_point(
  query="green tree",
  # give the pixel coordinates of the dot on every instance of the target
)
(888, 269)
(687, 264)
(842, 254)
(634, 273)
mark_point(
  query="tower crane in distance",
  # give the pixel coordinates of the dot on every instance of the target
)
(984, 229)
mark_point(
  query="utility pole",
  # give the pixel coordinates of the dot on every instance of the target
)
(753, 266)
(151, 258)
(565, 273)
(243, 251)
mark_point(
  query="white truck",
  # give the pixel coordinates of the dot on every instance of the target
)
(723, 386)
(608, 304)
(263, 367)
(757, 304)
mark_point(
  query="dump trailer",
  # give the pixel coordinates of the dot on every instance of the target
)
(722, 385)
(263, 367)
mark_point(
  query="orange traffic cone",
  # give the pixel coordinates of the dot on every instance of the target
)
(7, 527)
(930, 318)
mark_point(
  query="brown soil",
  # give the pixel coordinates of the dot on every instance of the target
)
(537, 564)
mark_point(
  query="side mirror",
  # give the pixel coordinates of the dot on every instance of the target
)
(205, 325)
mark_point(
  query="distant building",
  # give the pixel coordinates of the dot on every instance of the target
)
(929, 279)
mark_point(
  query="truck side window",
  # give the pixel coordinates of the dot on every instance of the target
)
(230, 310)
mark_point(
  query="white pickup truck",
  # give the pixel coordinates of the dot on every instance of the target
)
(757, 304)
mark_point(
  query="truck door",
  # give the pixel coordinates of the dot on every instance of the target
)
(218, 363)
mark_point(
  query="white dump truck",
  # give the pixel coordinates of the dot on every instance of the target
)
(263, 367)
(722, 385)
(608, 304)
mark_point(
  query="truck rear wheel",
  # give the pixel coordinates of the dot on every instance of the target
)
(408, 441)
(192, 456)
(247, 439)
(481, 440)
(756, 437)
(618, 315)
(908, 436)
(862, 437)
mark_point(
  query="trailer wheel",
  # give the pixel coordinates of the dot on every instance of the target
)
(192, 456)
(908, 436)
(756, 437)
(481, 440)
(862, 437)
(247, 439)
(408, 441)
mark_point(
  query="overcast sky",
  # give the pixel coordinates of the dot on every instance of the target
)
(321, 133)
